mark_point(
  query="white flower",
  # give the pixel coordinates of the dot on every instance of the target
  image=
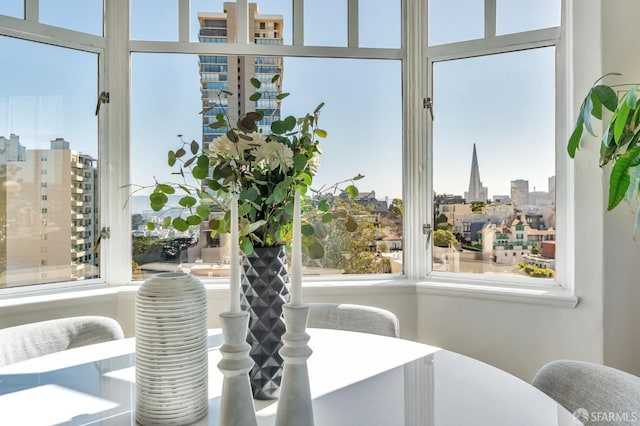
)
(314, 163)
(256, 139)
(274, 155)
(225, 147)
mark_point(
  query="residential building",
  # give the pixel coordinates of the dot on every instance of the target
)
(48, 240)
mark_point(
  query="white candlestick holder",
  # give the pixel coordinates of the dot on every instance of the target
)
(294, 405)
(236, 402)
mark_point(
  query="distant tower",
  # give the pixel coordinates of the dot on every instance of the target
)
(476, 192)
(520, 192)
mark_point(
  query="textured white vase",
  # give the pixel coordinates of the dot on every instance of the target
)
(171, 350)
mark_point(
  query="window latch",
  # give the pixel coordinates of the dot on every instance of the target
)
(104, 233)
(103, 98)
(428, 104)
(426, 230)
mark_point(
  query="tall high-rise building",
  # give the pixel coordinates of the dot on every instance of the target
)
(51, 215)
(476, 192)
(233, 73)
(520, 193)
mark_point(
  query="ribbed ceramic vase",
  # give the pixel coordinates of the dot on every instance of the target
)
(171, 350)
(264, 292)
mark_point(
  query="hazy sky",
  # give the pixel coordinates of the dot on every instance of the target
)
(504, 104)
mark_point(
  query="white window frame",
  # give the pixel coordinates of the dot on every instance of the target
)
(416, 57)
(489, 45)
(30, 29)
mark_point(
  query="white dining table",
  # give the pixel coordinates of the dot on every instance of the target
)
(356, 379)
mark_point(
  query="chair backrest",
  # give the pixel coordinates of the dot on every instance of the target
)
(591, 391)
(365, 319)
(27, 341)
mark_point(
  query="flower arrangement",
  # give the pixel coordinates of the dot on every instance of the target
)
(263, 170)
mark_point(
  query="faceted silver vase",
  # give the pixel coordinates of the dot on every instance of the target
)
(264, 292)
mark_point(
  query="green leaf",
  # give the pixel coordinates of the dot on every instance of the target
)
(203, 211)
(324, 206)
(218, 124)
(151, 226)
(351, 225)
(203, 161)
(180, 153)
(307, 230)
(167, 189)
(620, 179)
(180, 224)
(233, 136)
(278, 127)
(620, 120)
(352, 191)
(327, 217)
(320, 133)
(607, 96)
(255, 83)
(250, 194)
(275, 78)
(632, 97)
(189, 161)
(256, 96)
(187, 201)
(318, 108)
(158, 201)
(171, 158)
(281, 96)
(194, 147)
(574, 141)
(194, 220)
(597, 106)
(316, 251)
(214, 224)
(244, 209)
(290, 123)
(246, 246)
(199, 172)
(300, 161)
(632, 191)
(166, 222)
(585, 112)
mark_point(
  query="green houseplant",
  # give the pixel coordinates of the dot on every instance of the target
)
(263, 170)
(620, 140)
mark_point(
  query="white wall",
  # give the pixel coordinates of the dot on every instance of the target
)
(621, 34)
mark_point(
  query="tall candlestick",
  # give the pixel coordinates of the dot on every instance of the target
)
(296, 253)
(234, 278)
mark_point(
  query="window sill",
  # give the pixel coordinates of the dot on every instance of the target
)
(547, 295)
(539, 295)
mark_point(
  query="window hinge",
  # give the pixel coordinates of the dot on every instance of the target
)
(428, 104)
(104, 233)
(103, 98)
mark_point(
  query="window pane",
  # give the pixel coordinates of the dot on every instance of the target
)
(154, 20)
(514, 16)
(494, 164)
(48, 164)
(455, 20)
(160, 116)
(78, 15)
(379, 23)
(325, 23)
(271, 20)
(13, 8)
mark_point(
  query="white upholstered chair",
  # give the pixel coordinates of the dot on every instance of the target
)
(27, 341)
(365, 319)
(591, 391)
